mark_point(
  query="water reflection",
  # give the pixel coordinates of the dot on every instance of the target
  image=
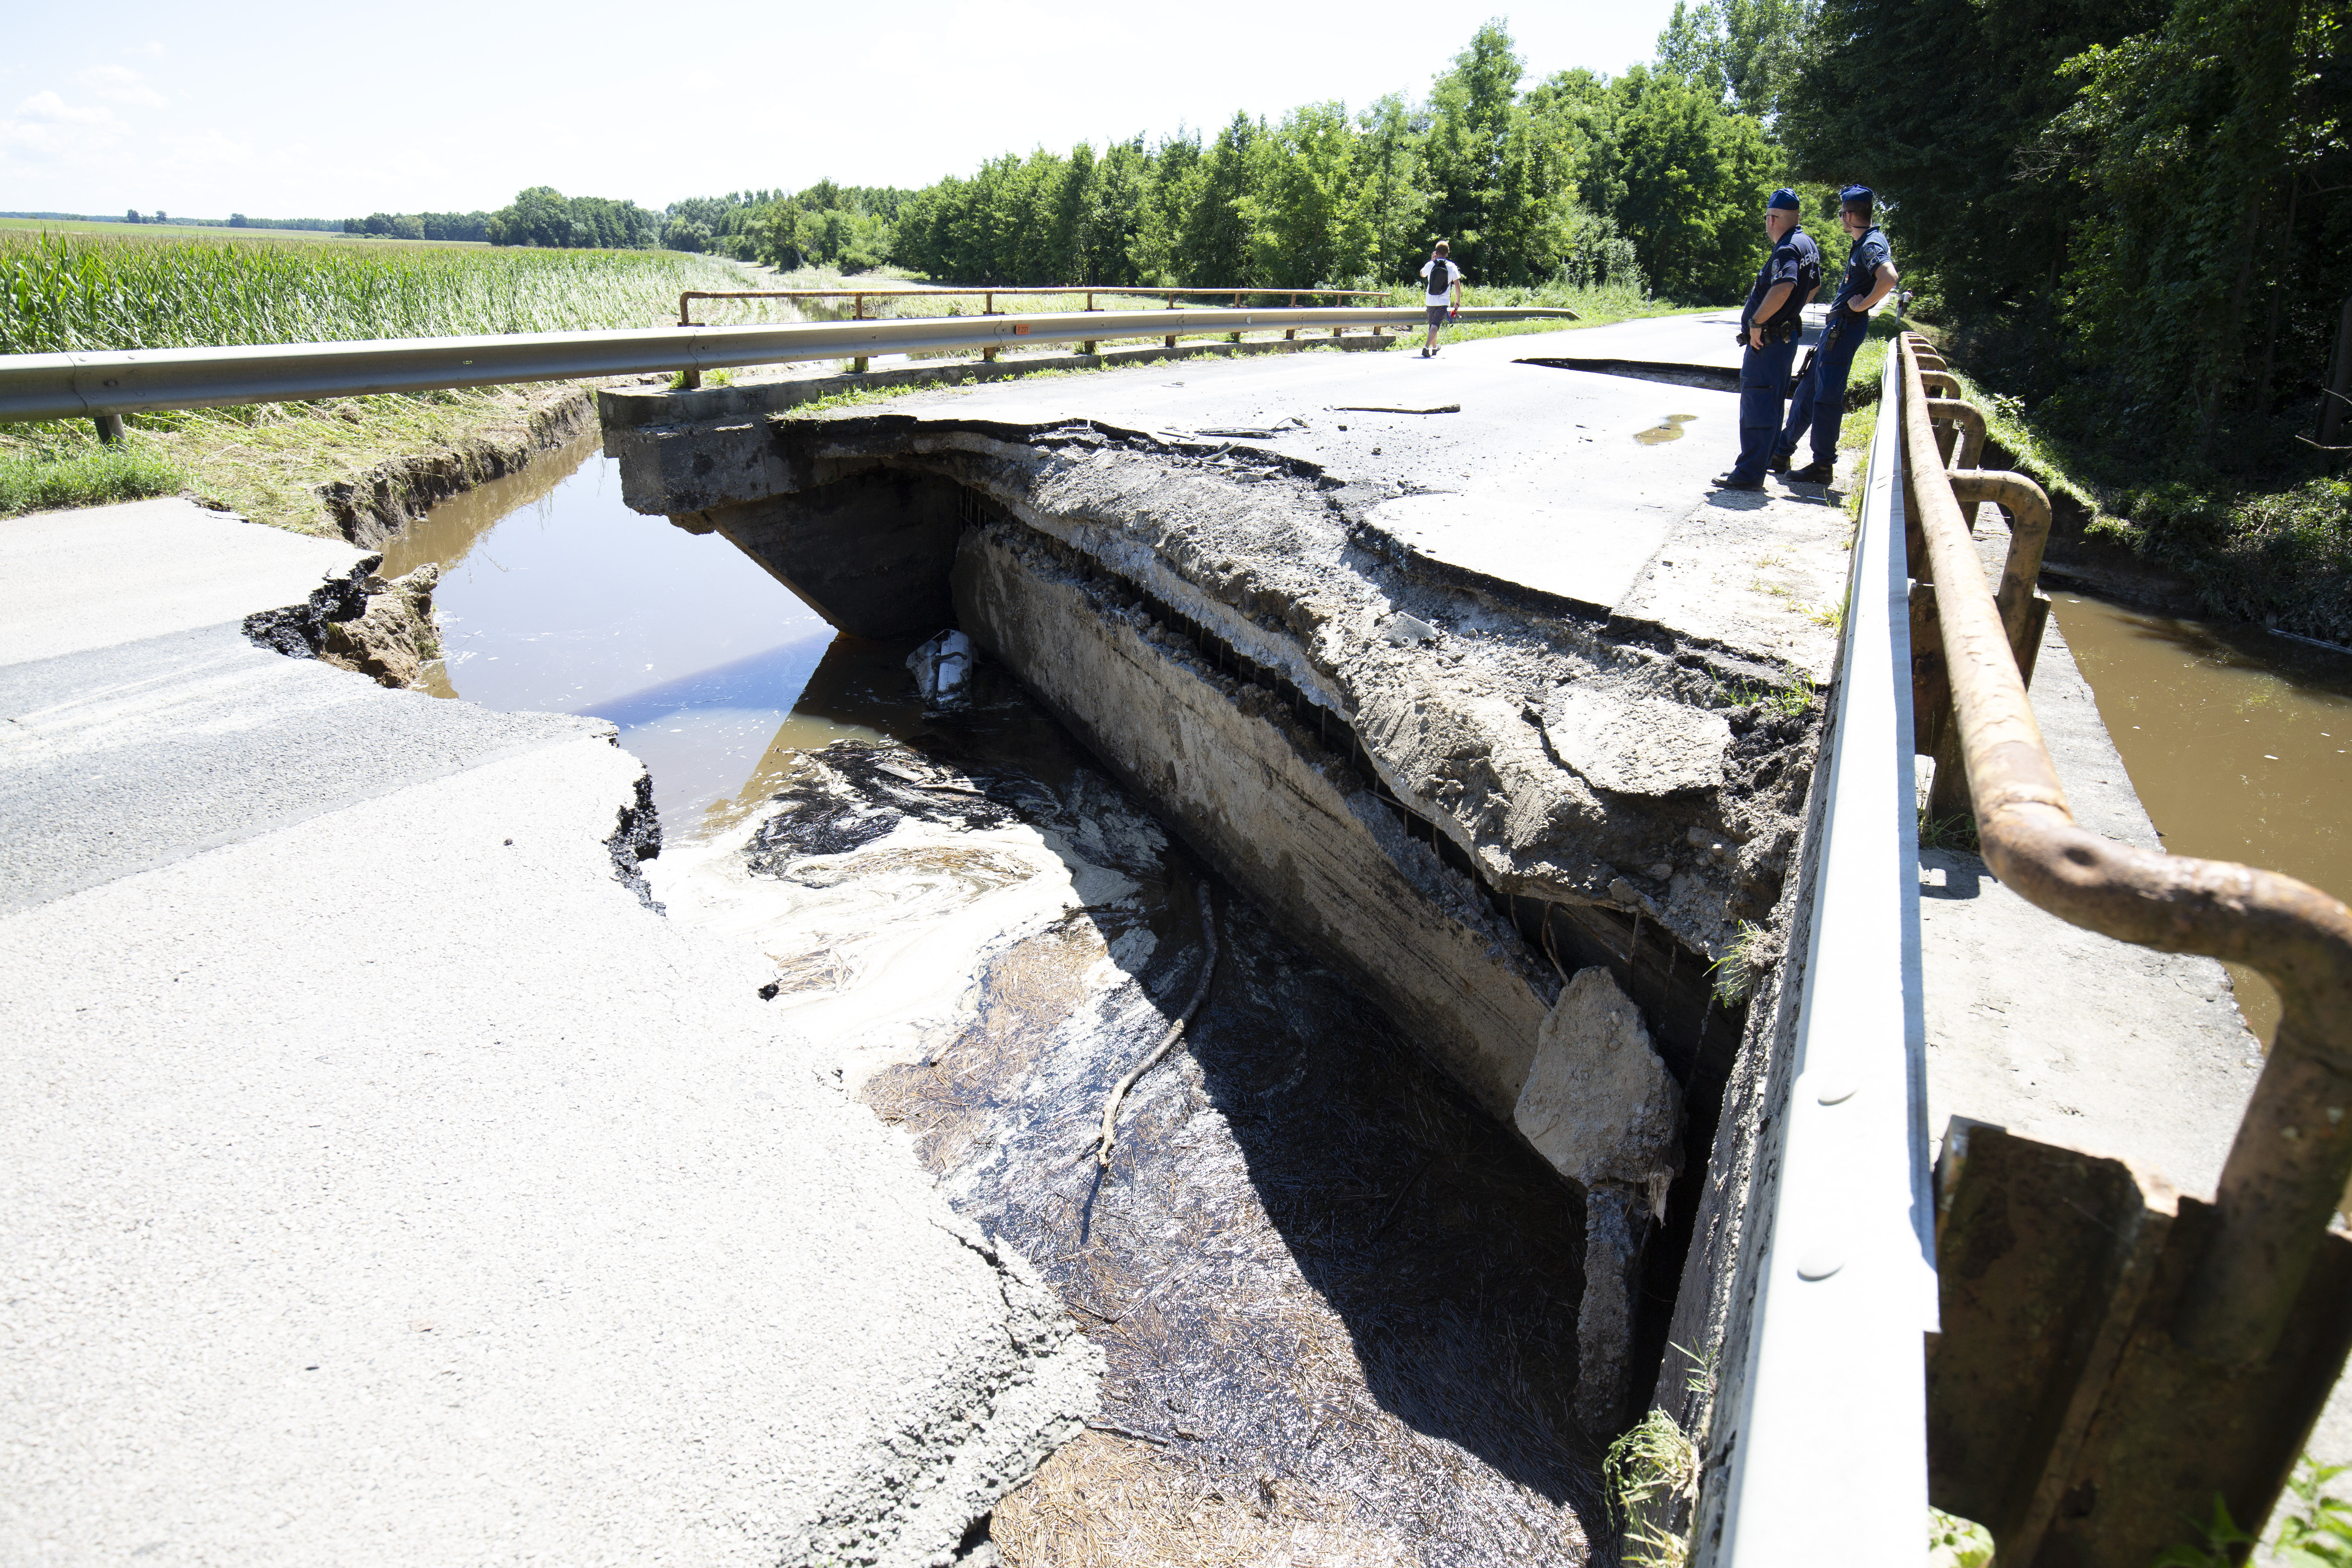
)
(2237, 743)
(1669, 428)
(555, 596)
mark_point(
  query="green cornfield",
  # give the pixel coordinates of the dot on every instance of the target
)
(63, 292)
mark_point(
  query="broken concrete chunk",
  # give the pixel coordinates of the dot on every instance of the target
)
(1401, 629)
(1636, 745)
(1597, 1101)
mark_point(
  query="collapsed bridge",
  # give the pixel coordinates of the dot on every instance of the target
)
(1550, 748)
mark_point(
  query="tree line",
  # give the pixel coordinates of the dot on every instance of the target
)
(1649, 178)
(541, 215)
(2137, 211)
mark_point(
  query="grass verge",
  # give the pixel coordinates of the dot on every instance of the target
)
(271, 462)
(46, 477)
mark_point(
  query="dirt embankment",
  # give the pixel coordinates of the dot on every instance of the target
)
(372, 506)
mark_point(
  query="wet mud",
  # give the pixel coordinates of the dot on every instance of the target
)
(1338, 1303)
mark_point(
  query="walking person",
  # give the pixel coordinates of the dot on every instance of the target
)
(1443, 293)
(1820, 399)
(1769, 329)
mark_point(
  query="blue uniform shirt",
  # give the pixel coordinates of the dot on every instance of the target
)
(1796, 259)
(1862, 264)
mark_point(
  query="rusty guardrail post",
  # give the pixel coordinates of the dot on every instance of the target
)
(2226, 1358)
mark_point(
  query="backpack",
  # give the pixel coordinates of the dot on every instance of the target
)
(1440, 276)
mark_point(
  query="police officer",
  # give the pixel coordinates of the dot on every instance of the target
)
(1820, 400)
(1768, 329)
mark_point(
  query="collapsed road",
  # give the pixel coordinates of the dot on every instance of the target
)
(1460, 670)
(1495, 710)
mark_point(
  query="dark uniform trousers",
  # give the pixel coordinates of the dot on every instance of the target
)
(1820, 398)
(1763, 390)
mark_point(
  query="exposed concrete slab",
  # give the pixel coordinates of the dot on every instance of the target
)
(389, 1182)
(114, 760)
(160, 565)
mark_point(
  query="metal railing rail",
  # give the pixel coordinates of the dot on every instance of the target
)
(2287, 1171)
(987, 296)
(1828, 1435)
(103, 385)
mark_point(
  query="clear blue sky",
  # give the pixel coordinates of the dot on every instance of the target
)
(313, 110)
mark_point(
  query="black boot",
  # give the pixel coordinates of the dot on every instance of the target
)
(1814, 473)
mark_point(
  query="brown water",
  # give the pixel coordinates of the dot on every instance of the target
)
(2237, 740)
(1338, 1306)
(556, 597)
(1669, 428)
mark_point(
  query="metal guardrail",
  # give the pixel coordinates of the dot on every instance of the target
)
(987, 297)
(2190, 1368)
(110, 385)
(1828, 1448)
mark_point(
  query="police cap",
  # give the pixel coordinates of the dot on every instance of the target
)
(1861, 197)
(1783, 197)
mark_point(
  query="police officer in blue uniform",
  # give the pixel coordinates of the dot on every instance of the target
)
(1768, 329)
(1820, 400)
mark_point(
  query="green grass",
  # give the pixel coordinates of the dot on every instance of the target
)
(1652, 1476)
(49, 477)
(1735, 973)
(133, 289)
(2312, 1528)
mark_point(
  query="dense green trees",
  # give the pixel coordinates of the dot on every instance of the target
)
(473, 225)
(1526, 185)
(2144, 205)
(543, 215)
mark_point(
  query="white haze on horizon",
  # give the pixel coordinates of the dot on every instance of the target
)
(283, 111)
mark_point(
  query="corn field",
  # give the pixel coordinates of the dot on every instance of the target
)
(61, 292)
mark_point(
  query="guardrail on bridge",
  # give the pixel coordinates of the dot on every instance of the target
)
(107, 385)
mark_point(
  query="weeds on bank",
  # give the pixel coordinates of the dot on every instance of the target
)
(1956, 1543)
(47, 476)
(1793, 699)
(1735, 973)
(1652, 1474)
(2313, 1530)
(267, 462)
(1947, 832)
(2267, 539)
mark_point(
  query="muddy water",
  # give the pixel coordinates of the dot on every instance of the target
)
(556, 597)
(1338, 1306)
(1669, 428)
(2238, 741)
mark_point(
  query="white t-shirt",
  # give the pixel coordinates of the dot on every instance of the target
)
(1440, 294)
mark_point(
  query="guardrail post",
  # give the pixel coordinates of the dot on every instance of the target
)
(689, 380)
(109, 428)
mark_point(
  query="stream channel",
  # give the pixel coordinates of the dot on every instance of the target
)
(1337, 1305)
(2237, 740)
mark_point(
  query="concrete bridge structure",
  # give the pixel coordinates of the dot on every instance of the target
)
(389, 1176)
